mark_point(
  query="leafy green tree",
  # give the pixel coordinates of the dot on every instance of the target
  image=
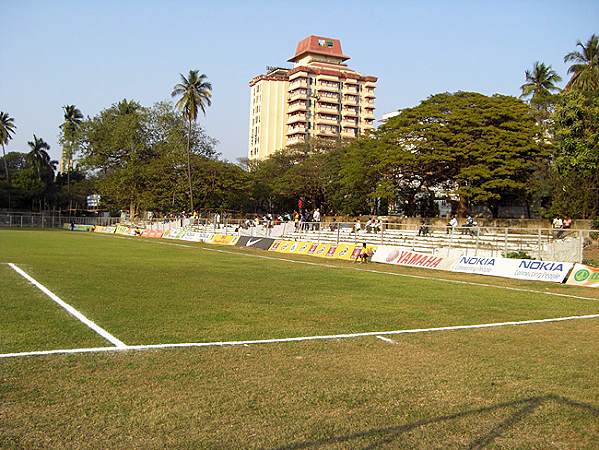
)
(113, 143)
(479, 148)
(70, 128)
(576, 158)
(585, 67)
(7, 130)
(195, 94)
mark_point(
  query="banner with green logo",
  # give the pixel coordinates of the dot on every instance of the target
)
(583, 275)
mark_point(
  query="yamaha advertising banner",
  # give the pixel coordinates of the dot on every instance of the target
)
(258, 242)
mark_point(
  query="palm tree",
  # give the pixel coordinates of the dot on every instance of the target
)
(39, 156)
(7, 130)
(540, 84)
(585, 70)
(70, 126)
(195, 93)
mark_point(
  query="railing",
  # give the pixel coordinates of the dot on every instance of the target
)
(16, 220)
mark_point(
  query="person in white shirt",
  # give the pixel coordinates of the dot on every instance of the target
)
(453, 223)
(316, 219)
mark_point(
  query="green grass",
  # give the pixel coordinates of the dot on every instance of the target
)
(528, 387)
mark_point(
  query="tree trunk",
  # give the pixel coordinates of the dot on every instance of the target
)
(69, 185)
(189, 168)
(5, 165)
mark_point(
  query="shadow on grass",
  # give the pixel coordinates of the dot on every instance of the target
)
(382, 436)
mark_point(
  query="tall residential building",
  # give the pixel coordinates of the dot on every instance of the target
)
(319, 97)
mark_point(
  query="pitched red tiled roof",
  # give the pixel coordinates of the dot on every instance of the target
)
(320, 45)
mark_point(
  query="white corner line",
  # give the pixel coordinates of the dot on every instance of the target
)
(72, 311)
(378, 334)
(387, 340)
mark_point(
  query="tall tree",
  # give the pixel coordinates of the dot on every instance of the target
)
(479, 148)
(70, 127)
(7, 130)
(585, 70)
(540, 84)
(195, 93)
(39, 156)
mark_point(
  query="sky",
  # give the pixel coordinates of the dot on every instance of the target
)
(95, 53)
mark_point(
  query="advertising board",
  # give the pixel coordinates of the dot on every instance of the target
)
(402, 256)
(257, 242)
(522, 269)
(583, 275)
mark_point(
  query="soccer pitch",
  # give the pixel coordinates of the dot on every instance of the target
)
(531, 385)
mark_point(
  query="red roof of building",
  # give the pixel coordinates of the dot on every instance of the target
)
(320, 45)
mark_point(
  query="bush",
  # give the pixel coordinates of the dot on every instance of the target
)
(595, 223)
(518, 255)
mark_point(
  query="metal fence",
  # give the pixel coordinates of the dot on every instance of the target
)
(16, 220)
(542, 243)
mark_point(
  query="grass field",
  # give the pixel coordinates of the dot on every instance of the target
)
(528, 386)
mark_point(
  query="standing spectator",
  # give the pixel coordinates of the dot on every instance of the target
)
(357, 226)
(558, 225)
(316, 218)
(369, 225)
(217, 220)
(300, 204)
(452, 225)
(296, 220)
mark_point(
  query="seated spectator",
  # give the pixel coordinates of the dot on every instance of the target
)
(334, 225)
(369, 225)
(377, 225)
(424, 229)
(356, 227)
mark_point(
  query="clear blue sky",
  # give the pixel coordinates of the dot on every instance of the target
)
(94, 53)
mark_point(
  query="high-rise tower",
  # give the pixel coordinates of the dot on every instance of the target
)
(319, 97)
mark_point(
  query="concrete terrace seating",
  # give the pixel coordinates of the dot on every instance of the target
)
(494, 241)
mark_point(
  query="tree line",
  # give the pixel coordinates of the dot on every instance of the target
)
(539, 151)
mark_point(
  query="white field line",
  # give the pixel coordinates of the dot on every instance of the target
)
(378, 334)
(381, 272)
(72, 311)
(387, 340)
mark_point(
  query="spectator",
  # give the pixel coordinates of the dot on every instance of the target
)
(357, 226)
(296, 219)
(378, 225)
(369, 225)
(558, 225)
(452, 225)
(424, 229)
(316, 219)
(334, 225)
(567, 224)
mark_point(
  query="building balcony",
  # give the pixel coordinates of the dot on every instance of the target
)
(295, 139)
(349, 123)
(351, 89)
(367, 94)
(298, 75)
(298, 95)
(296, 118)
(349, 133)
(296, 130)
(327, 108)
(327, 132)
(328, 88)
(350, 112)
(350, 100)
(327, 120)
(297, 106)
(297, 84)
